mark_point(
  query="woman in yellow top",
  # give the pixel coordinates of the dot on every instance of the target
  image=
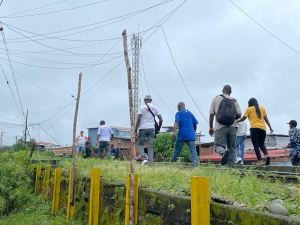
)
(257, 116)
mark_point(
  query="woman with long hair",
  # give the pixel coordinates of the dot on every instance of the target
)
(258, 119)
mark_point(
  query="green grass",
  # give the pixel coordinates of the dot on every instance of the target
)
(249, 189)
(36, 211)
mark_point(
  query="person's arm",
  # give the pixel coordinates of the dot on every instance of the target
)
(111, 136)
(195, 128)
(211, 124)
(160, 122)
(137, 124)
(241, 119)
(98, 135)
(175, 129)
(237, 116)
(268, 123)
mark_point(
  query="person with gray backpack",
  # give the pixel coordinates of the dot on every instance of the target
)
(226, 111)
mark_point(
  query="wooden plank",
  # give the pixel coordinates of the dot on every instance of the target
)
(136, 192)
(127, 200)
(37, 179)
(56, 190)
(200, 211)
(71, 207)
(46, 182)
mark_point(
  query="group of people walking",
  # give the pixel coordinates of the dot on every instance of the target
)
(226, 125)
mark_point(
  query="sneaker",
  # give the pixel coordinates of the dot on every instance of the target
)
(145, 162)
(224, 158)
(238, 160)
(241, 163)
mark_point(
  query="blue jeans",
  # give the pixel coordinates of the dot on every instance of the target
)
(240, 142)
(79, 149)
(178, 147)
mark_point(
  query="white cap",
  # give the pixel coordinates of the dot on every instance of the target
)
(148, 97)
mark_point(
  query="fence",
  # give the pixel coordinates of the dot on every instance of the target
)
(200, 206)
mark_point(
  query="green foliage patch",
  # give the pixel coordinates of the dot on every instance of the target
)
(163, 148)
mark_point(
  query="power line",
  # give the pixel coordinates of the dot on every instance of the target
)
(265, 29)
(51, 12)
(36, 8)
(129, 15)
(144, 73)
(11, 67)
(31, 58)
(36, 84)
(11, 91)
(66, 68)
(180, 75)
(103, 57)
(168, 16)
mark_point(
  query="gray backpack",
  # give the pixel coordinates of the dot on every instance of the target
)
(227, 111)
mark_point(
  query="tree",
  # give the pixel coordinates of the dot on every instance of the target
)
(21, 145)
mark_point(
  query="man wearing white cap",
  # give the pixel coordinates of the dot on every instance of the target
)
(148, 128)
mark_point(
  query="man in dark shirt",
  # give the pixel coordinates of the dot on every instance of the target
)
(187, 125)
(113, 150)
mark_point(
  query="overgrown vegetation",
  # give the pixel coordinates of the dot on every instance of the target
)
(246, 189)
(163, 148)
(18, 204)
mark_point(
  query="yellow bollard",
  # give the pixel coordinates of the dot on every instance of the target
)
(136, 192)
(37, 179)
(200, 214)
(46, 181)
(71, 207)
(127, 202)
(56, 190)
(94, 196)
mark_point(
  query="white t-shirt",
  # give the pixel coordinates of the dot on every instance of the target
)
(81, 140)
(147, 120)
(242, 128)
(105, 132)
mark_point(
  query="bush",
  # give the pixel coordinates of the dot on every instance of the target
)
(15, 173)
(163, 148)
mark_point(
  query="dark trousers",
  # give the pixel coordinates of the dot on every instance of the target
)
(104, 144)
(87, 152)
(258, 137)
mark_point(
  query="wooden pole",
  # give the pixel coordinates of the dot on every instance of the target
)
(74, 138)
(32, 150)
(132, 125)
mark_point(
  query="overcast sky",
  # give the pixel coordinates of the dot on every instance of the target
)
(213, 44)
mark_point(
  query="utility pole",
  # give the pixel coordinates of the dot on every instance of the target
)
(74, 145)
(132, 123)
(136, 44)
(17, 139)
(26, 125)
(1, 143)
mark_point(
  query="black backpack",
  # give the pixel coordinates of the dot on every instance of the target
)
(227, 111)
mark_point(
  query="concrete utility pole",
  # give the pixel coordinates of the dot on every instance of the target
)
(136, 44)
(74, 144)
(132, 123)
(26, 125)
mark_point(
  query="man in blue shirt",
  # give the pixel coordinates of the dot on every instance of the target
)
(187, 125)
